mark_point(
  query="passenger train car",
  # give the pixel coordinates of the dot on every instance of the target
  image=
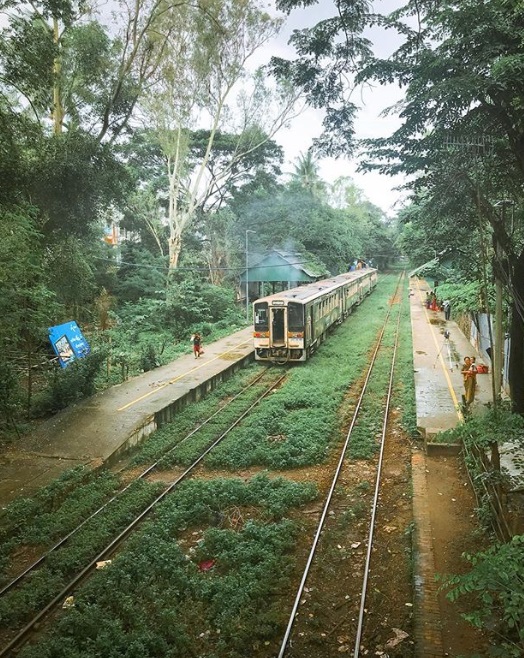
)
(289, 325)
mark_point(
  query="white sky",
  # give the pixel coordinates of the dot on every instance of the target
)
(379, 189)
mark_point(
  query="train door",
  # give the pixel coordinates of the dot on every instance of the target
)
(278, 328)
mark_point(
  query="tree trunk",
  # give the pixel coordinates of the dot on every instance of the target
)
(58, 110)
(516, 358)
(175, 247)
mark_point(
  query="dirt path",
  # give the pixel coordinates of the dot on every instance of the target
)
(455, 531)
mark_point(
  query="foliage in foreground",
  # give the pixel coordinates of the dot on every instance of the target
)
(495, 426)
(496, 579)
(184, 608)
(19, 604)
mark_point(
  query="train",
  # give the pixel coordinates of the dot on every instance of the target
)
(289, 326)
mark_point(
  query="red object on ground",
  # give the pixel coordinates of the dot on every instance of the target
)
(206, 565)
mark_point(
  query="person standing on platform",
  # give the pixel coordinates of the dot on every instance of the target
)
(447, 309)
(196, 339)
(433, 303)
(469, 372)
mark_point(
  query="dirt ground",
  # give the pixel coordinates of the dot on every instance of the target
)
(455, 531)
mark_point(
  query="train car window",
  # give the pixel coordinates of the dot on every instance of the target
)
(295, 317)
(261, 317)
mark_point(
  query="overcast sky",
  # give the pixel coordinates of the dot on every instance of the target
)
(377, 188)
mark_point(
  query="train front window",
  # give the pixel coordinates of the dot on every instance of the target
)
(261, 317)
(295, 317)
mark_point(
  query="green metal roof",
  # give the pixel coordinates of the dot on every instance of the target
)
(279, 265)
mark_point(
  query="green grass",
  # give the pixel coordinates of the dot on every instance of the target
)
(233, 608)
(300, 422)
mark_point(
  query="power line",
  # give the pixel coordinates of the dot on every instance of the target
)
(199, 269)
(202, 269)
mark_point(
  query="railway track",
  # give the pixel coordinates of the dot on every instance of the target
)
(269, 379)
(326, 623)
(248, 528)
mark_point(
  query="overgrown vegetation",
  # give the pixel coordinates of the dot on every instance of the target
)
(495, 579)
(208, 568)
(218, 552)
(482, 431)
(298, 423)
(18, 605)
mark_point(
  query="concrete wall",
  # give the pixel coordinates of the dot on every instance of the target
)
(168, 413)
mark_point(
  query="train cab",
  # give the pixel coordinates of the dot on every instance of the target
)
(279, 330)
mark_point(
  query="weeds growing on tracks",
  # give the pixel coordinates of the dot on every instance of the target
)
(18, 605)
(183, 609)
(53, 511)
(191, 416)
(155, 599)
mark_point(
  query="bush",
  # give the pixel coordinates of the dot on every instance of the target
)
(69, 385)
(148, 360)
(496, 580)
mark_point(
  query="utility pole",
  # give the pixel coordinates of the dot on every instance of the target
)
(247, 275)
(498, 347)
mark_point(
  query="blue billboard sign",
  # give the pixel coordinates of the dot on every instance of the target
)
(68, 343)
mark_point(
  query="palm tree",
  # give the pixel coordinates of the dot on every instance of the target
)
(306, 175)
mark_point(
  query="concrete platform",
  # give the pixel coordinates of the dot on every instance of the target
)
(438, 361)
(439, 387)
(101, 428)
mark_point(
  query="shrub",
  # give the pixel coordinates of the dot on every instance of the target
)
(68, 385)
(497, 581)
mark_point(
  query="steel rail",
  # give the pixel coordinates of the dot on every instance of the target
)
(331, 491)
(360, 624)
(22, 635)
(16, 581)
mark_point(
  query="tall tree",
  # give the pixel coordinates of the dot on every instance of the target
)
(207, 64)
(306, 175)
(81, 73)
(463, 128)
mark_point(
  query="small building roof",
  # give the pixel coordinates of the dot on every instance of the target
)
(278, 265)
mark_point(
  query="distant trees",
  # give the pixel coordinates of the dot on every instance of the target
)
(306, 175)
(151, 117)
(295, 218)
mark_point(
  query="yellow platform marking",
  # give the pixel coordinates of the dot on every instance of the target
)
(441, 359)
(176, 379)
